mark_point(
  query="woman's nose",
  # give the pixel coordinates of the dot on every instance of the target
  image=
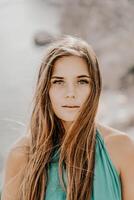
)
(70, 92)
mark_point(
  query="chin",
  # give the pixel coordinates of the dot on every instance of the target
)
(68, 118)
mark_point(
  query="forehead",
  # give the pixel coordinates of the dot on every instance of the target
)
(70, 66)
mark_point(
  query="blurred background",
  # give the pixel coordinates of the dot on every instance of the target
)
(26, 29)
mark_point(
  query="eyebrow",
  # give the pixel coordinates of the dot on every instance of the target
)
(81, 76)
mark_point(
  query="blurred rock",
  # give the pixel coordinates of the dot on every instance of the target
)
(56, 2)
(116, 110)
(43, 38)
(127, 80)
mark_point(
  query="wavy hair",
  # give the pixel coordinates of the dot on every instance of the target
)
(77, 147)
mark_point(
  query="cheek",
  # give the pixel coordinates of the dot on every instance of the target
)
(84, 94)
(54, 98)
(56, 104)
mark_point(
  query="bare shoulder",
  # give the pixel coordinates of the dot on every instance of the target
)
(119, 145)
(116, 137)
(22, 143)
(20, 148)
(14, 168)
(17, 157)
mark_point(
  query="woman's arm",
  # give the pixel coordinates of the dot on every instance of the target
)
(127, 168)
(13, 170)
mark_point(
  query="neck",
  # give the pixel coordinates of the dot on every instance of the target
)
(66, 125)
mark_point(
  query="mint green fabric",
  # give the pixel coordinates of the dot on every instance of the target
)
(106, 184)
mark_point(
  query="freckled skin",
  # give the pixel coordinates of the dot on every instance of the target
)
(70, 90)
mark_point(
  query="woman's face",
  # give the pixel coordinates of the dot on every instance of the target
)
(70, 87)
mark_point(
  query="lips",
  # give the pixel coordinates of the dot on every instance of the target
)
(66, 106)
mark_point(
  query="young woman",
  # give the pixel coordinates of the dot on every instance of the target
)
(67, 154)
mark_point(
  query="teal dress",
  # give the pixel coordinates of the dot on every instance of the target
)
(106, 184)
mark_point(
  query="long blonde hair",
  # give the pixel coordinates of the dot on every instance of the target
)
(77, 147)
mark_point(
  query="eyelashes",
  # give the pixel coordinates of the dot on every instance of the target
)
(59, 82)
